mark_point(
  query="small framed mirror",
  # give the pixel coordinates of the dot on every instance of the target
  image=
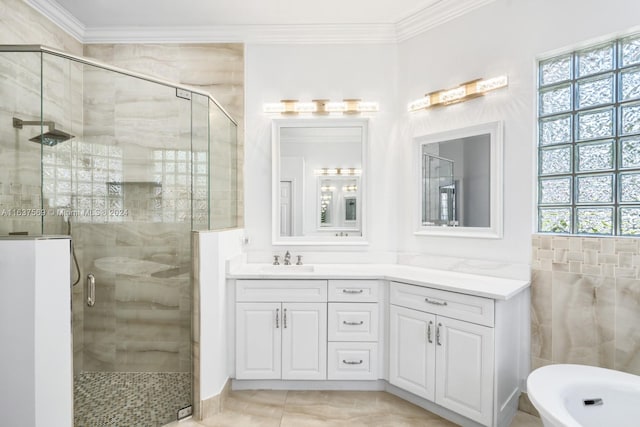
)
(319, 179)
(459, 177)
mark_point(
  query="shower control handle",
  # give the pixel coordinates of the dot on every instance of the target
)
(91, 290)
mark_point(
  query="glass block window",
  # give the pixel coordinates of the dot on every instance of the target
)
(183, 184)
(79, 179)
(589, 140)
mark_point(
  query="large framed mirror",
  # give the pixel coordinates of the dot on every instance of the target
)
(459, 179)
(319, 181)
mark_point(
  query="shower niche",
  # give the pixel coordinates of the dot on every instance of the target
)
(129, 169)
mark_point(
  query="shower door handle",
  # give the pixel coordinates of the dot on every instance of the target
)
(91, 290)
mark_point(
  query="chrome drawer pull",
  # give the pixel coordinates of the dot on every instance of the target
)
(435, 302)
(349, 362)
(353, 323)
(277, 320)
(352, 291)
(429, 332)
(284, 319)
(438, 334)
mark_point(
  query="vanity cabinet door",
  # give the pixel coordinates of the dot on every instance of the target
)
(464, 375)
(304, 341)
(258, 340)
(412, 351)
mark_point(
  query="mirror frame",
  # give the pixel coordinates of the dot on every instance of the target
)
(327, 122)
(496, 220)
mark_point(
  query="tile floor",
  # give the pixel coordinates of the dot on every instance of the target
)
(140, 399)
(269, 408)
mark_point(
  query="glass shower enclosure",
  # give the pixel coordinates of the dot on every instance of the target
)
(128, 165)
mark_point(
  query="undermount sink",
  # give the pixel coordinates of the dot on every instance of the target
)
(280, 269)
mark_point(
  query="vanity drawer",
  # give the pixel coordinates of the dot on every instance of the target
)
(281, 291)
(469, 308)
(353, 290)
(353, 321)
(352, 361)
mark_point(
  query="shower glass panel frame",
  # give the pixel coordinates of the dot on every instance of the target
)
(144, 162)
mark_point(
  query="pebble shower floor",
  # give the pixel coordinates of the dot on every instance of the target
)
(127, 399)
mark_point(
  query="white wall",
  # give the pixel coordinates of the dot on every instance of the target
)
(36, 386)
(504, 37)
(305, 72)
(215, 248)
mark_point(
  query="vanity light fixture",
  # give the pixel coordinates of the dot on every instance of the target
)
(463, 92)
(320, 107)
(338, 171)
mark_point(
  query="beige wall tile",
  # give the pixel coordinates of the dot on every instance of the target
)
(626, 245)
(627, 356)
(560, 255)
(560, 243)
(21, 24)
(541, 314)
(583, 319)
(590, 243)
(575, 244)
(575, 267)
(558, 266)
(607, 246)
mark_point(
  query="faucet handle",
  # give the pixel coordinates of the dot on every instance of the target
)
(276, 260)
(299, 260)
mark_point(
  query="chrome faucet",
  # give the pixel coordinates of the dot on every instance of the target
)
(287, 258)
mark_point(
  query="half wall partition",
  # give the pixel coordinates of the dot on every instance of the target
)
(128, 165)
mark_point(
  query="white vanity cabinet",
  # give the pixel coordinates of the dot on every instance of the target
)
(281, 329)
(442, 348)
(452, 343)
(353, 324)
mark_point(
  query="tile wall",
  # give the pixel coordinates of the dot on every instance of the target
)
(217, 68)
(585, 302)
(21, 24)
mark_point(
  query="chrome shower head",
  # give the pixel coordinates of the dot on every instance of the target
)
(50, 138)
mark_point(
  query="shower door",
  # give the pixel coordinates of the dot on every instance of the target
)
(122, 188)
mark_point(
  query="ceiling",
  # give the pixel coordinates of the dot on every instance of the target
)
(114, 13)
(272, 21)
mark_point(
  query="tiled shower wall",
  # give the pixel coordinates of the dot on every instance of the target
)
(217, 68)
(585, 302)
(21, 24)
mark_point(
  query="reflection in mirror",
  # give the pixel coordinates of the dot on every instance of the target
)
(461, 182)
(338, 199)
(318, 180)
(456, 182)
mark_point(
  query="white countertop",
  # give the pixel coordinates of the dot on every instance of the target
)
(473, 284)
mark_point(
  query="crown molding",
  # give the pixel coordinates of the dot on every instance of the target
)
(272, 34)
(412, 25)
(435, 15)
(60, 16)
